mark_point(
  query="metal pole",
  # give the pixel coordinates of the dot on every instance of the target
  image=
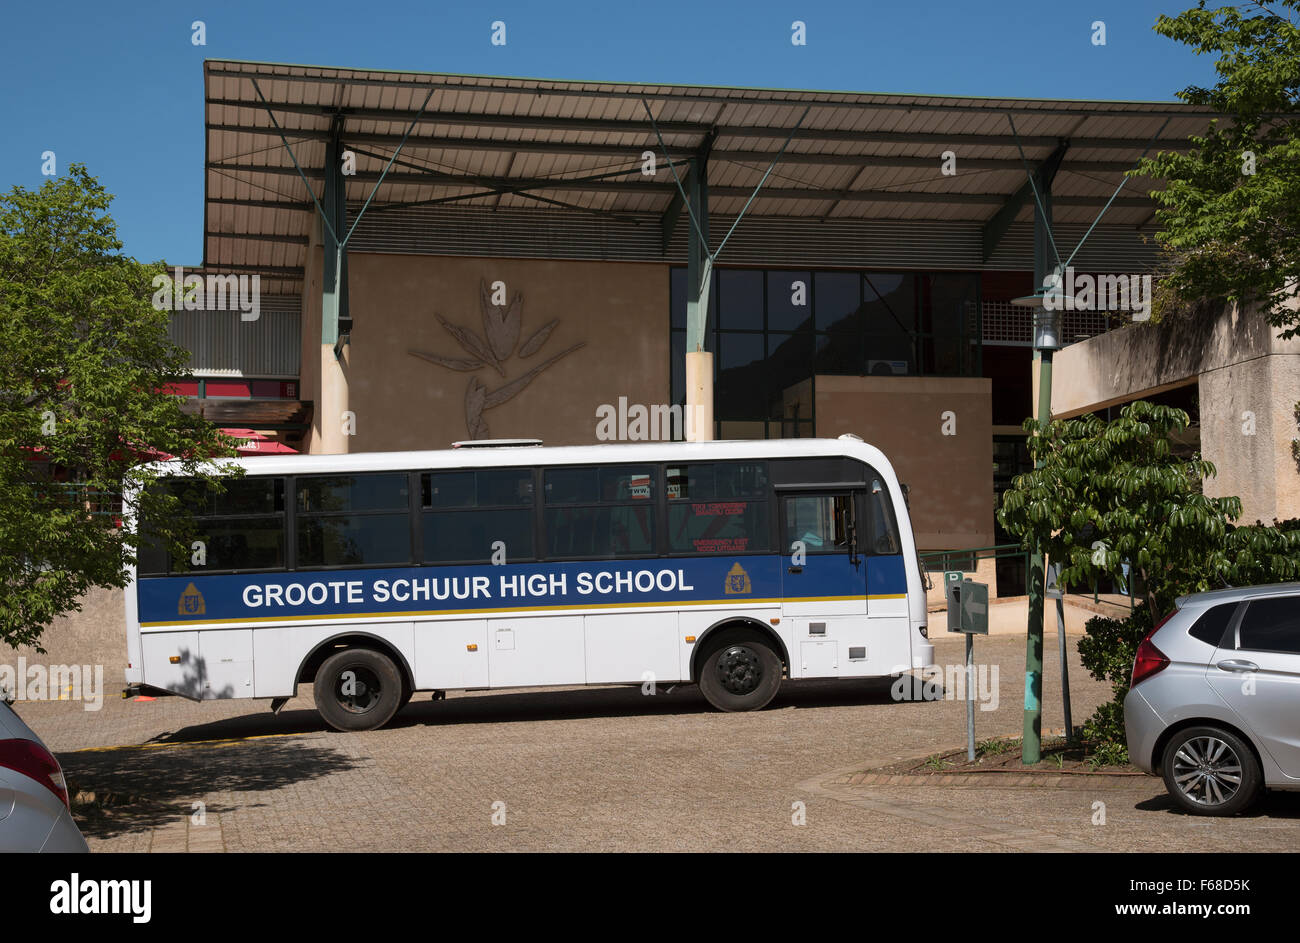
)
(970, 696)
(1032, 750)
(1065, 665)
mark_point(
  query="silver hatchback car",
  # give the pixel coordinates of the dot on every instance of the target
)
(34, 810)
(1214, 706)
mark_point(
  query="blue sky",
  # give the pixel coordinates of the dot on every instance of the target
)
(118, 86)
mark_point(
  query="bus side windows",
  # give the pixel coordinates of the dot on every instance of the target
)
(240, 528)
(599, 512)
(466, 513)
(353, 520)
(717, 508)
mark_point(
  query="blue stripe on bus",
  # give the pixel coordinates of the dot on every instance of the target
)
(197, 599)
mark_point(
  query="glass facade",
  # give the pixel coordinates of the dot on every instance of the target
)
(772, 330)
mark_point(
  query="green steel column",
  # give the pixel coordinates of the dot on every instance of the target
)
(1032, 744)
(334, 209)
(699, 267)
(1033, 733)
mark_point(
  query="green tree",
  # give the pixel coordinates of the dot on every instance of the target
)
(83, 373)
(1229, 214)
(1114, 492)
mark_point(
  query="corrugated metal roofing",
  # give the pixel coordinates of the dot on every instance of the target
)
(575, 148)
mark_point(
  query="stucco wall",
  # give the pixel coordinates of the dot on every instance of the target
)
(615, 314)
(1142, 359)
(1249, 384)
(950, 476)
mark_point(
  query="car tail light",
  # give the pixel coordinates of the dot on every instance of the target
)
(33, 760)
(1149, 659)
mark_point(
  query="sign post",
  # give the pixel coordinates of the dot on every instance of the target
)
(968, 613)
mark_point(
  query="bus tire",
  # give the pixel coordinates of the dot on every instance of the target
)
(740, 672)
(358, 689)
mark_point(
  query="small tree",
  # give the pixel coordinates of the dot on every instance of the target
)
(1110, 493)
(83, 375)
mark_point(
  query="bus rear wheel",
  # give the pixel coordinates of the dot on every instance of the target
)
(740, 672)
(358, 689)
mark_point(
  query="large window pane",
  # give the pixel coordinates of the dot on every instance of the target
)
(718, 508)
(942, 356)
(740, 300)
(354, 540)
(371, 492)
(717, 527)
(839, 354)
(599, 532)
(789, 301)
(952, 297)
(571, 486)
(249, 543)
(467, 536)
(836, 302)
(889, 302)
(589, 485)
(238, 496)
(742, 377)
(789, 363)
(502, 487)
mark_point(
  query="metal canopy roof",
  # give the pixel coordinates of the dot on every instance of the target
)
(511, 143)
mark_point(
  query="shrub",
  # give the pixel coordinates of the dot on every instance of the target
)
(1107, 650)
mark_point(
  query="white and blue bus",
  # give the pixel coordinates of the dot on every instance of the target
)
(733, 565)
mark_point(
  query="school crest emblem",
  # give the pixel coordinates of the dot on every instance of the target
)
(191, 602)
(737, 582)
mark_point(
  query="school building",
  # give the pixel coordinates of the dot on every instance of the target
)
(451, 257)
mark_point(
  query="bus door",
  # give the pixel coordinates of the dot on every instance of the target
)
(823, 581)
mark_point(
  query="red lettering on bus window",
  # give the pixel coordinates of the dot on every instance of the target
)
(715, 508)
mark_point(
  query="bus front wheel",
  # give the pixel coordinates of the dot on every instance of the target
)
(740, 672)
(358, 689)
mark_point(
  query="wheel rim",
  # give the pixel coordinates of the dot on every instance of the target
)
(360, 692)
(739, 669)
(1207, 771)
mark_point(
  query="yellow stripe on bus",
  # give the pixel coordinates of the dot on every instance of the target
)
(453, 612)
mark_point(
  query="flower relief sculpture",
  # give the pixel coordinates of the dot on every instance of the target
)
(501, 329)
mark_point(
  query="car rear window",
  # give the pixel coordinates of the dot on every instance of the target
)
(1213, 623)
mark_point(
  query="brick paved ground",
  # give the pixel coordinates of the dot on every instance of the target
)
(605, 769)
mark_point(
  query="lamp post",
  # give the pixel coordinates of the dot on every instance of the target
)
(1046, 308)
